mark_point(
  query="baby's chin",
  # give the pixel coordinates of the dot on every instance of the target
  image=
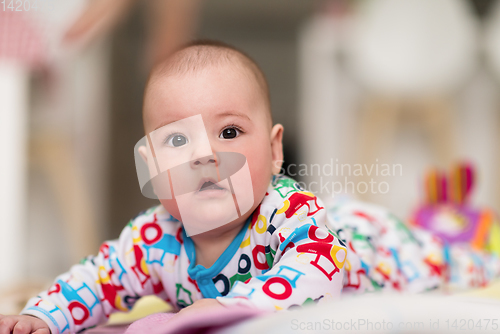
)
(202, 215)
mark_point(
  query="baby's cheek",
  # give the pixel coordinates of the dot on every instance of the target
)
(171, 206)
(261, 176)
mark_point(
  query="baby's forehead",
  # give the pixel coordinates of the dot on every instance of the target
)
(192, 60)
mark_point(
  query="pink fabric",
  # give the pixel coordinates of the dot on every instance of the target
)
(108, 330)
(205, 321)
(150, 323)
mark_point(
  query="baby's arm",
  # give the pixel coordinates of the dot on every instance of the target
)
(306, 261)
(111, 281)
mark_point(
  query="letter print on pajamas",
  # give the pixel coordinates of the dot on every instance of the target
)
(286, 278)
(157, 243)
(304, 260)
(77, 302)
(329, 258)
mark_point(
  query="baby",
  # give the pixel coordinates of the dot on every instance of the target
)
(265, 242)
(231, 230)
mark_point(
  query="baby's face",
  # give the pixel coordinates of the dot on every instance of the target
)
(235, 117)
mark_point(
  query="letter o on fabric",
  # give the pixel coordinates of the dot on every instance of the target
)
(277, 281)
(248, 264)
(225, 280)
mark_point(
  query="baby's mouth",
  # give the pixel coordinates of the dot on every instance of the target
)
(209, 184)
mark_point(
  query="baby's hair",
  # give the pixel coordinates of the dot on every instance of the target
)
(203, 53)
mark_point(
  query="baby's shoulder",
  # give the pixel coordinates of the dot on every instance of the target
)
(287, 201)
(282, 188)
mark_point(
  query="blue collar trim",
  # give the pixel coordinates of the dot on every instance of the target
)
(204, 276)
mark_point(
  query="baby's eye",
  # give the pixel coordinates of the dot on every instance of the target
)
(176, 140)
(229, 133)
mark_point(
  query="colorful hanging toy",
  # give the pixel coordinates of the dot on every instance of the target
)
(447, 211)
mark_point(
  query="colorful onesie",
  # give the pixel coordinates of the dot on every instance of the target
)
(290, 252)
(283, 256)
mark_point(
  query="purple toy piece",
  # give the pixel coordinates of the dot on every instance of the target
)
(450, 222)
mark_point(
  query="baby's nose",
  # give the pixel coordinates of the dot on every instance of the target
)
(210, 159)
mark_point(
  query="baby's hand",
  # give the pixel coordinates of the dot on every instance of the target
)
(22, 324)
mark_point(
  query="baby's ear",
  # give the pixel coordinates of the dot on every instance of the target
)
(143, 151)
(277, 148)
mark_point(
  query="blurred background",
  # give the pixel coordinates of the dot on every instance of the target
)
(405, 83)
